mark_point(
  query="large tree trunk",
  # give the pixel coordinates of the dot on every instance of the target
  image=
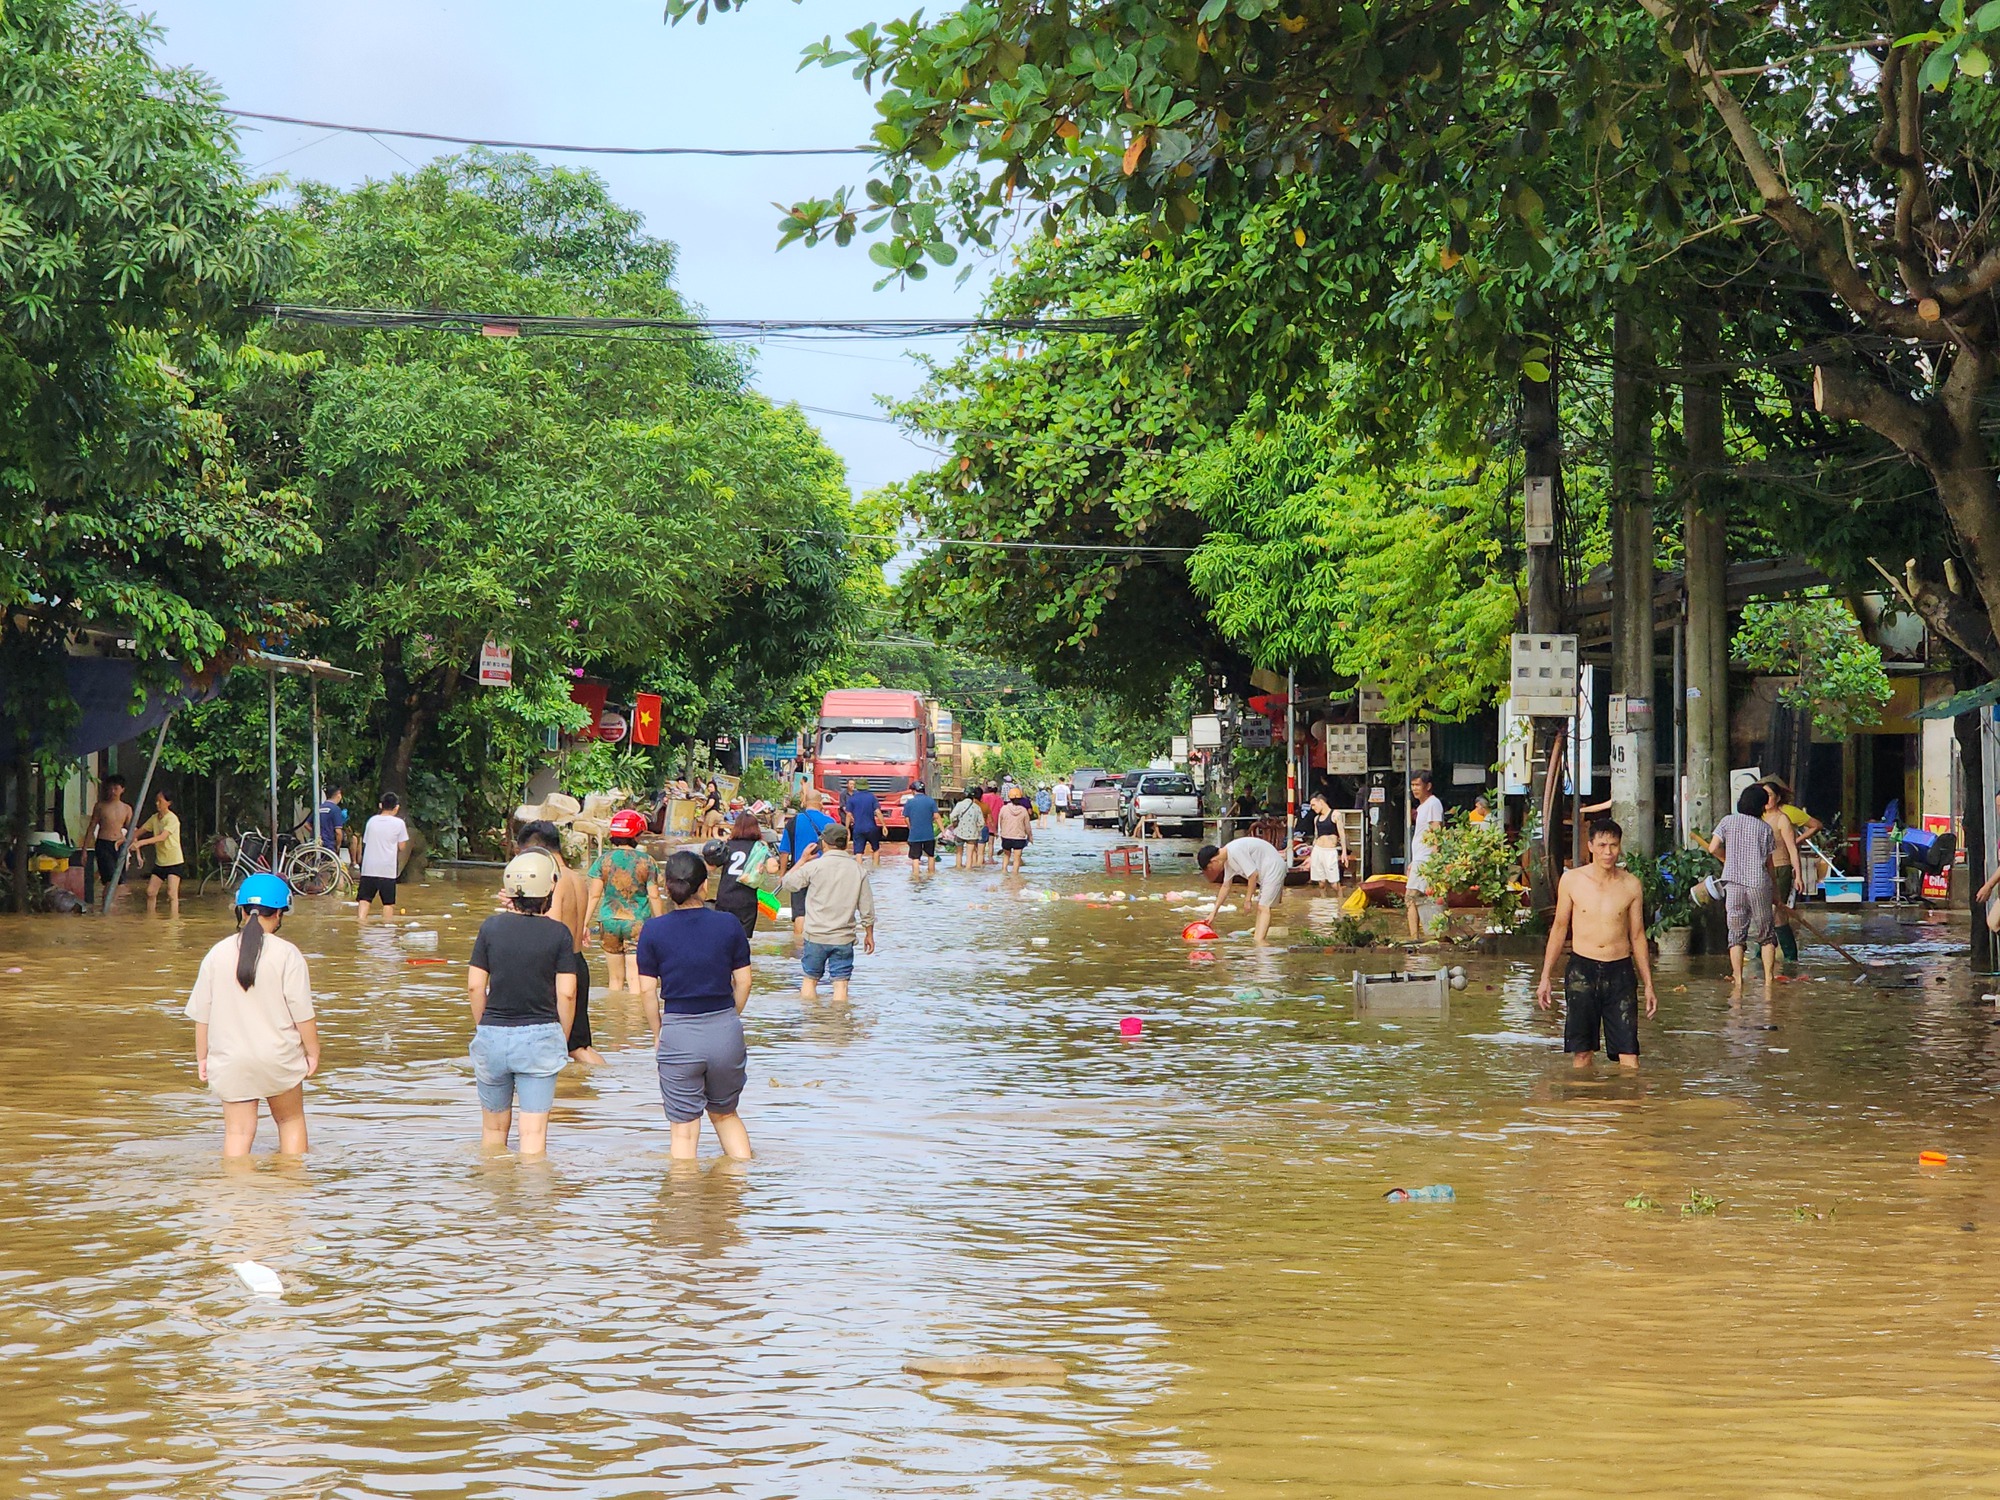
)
(1942, 436)
(18, 854)
(411, 708)
(1972, 763)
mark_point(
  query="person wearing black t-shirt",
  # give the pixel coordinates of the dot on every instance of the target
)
(734, 892)
(694, 975)
(522, 985)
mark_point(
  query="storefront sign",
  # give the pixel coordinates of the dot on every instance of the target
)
(496, 664)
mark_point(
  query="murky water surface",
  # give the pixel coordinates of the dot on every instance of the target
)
(971, 1160)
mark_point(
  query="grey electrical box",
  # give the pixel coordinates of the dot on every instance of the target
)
(1368, 702)
(1538, 509)
(1543, 679)
(1346, 749)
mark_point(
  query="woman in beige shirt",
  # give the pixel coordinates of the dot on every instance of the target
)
(254, 1033)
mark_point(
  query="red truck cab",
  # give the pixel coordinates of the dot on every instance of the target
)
(878, 738)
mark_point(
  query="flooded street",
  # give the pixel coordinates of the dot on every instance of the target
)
(971, 1160)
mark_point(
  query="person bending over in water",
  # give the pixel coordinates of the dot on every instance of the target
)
(1602, 910)
(1258, 864)
(254, 1033)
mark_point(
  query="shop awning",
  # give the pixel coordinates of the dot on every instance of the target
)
(1969, 701)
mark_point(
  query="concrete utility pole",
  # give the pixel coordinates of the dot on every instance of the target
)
(1541, 450)
(1632, 404)
(1705, 539)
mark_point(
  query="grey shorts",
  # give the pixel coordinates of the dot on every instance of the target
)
(702, 1064)
(1749, 910)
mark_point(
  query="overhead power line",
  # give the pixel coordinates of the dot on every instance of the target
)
(537, 325)
(973, 541)
(470, 140)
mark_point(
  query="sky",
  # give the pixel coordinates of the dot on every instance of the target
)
(610, 72)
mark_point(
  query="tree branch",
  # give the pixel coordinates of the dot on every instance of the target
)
(1848, 397)
(1806, 230)
(1962, 622)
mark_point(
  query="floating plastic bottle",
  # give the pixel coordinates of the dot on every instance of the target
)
(1437, 1192)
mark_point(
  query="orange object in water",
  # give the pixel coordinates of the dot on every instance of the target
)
(1932, 1158)
(1198, 932)
(413, 962)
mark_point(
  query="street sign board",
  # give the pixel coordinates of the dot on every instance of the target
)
(1205, 732)
(496, 664)
(1179, 752)
(1255, 732)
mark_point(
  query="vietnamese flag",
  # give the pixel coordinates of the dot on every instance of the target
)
(646, 719)
(590, 695)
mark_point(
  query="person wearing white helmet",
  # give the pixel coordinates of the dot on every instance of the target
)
(522, 986)
(254, 1033)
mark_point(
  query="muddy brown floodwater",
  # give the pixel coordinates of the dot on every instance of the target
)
(971, 1161)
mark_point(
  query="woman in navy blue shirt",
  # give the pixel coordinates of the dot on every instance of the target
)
(694, 976)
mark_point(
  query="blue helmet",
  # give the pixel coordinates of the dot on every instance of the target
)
(265, 892)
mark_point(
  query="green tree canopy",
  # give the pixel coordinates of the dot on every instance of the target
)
(621, 506)
(131, 250)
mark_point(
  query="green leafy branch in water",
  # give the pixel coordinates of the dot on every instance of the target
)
(1699, 1203)
(1838, 671)
(1642, 1203)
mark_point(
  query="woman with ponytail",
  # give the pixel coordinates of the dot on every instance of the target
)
(254, 1033)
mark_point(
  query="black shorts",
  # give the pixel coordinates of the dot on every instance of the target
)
(867, 838)
(1601, 994)
(371, 886)
(174, 872)
(1013, 844)
(923, 848)
(105, 853)
(799, 905)
(744, 911)
(579, 1026)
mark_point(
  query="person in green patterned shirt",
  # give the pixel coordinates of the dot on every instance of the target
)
(624, 891)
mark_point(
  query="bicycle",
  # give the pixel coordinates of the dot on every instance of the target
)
(310, 868)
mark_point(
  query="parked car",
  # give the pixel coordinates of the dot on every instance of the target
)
(1169, 801)
(1127, 785)
(1094, 796)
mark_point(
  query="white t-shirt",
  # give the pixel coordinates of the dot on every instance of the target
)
(1059, 794)
(1430, 814)
(380, 856)
(1245, 857)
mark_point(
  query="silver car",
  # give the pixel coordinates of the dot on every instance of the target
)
(1168, 801)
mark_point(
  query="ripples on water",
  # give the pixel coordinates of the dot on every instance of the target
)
(971, 1160)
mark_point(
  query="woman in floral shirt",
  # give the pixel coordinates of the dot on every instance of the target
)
(624, 891)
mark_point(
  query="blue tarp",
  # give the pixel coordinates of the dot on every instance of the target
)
(102, 688)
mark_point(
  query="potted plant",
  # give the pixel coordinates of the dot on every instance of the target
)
(1669, 884)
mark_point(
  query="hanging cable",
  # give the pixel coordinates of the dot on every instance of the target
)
(540, 325)
(469, 140)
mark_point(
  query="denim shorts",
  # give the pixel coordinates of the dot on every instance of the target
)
(827, 960)
(518, 1064)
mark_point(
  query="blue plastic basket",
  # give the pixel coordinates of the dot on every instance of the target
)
(1879, 847)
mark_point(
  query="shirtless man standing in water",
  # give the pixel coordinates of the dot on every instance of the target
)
(1609, 961)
